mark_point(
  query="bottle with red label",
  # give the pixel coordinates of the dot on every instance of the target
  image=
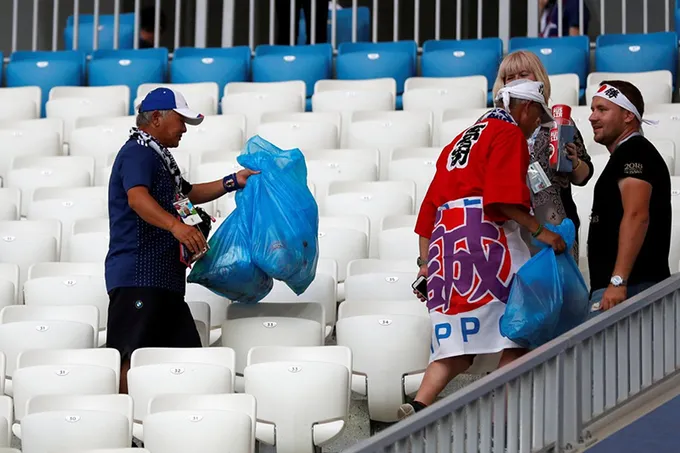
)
(561, 130)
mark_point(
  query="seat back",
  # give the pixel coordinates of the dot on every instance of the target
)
(325, 387)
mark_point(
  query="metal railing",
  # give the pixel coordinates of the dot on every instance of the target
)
(642, 17)
(550, 398)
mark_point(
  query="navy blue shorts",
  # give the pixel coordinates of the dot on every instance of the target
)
(149, 318)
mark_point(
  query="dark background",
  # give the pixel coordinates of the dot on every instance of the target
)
(386, 7)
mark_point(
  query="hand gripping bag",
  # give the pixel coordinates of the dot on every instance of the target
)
(227, 269)
(575, 294)
(548, 295)
(284, 216)
(533, 308)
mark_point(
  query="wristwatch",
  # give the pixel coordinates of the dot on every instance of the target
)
(617, 281)
(421, 262)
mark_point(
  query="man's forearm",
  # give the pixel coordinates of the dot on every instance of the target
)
(632, 232)
(149, 210)
(424, 247)
(206, 192)
(519, 215)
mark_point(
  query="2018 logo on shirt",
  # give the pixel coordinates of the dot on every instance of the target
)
(461, 151)
(632, 168)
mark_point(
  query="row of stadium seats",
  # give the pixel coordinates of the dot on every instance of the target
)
(435, 110)
(276, 361)
(355, 61)
(73, 292)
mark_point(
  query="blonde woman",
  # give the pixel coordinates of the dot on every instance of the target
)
(555, 203)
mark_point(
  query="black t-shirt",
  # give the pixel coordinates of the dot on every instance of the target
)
(634, 158)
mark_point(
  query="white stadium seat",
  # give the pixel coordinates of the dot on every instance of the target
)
(326, 166)
(374, 200)
(384, 358)
(306, 408)
(83, 314)
(6, 421)
(324, 290)
(98, 142)
(71, 429)
(416, 164)
(69, 109)
(16, 337)
(9, 284)
(116, 403)
(396, 239)
(271, 324)
(234, 403)
(25, 243)
(20, 99)
(29, 179)
(333, 118)
(200, 311)
(302, 135)
(39, 270)
(442, 93)
(69, 290)
(158, 371)
(254, 104)
(10, 202)
(344, 239)
(380, 280)
(112, 93)
(117, 123)
(389, 130)
(23, 143)
(59, 379)
(564, 89)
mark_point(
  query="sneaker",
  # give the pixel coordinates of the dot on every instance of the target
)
(408, 409)
(405, 410)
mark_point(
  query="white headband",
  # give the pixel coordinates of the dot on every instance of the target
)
(615, 95)
(528, 90)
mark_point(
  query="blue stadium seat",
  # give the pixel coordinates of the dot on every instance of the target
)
(343, 32)
(637, 53)
(282, 63)
(468, 57)
(128, 67)
(46, 69)
(192, 65)
(360, 61)
(85, 32)
(567, 55)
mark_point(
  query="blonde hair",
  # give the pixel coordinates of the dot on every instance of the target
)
(522, 61)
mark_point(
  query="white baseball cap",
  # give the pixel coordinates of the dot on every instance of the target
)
(527, 90)
(166, 99)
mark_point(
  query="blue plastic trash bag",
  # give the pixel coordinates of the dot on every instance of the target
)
(227, 269)
(575, 294)
(283, 214)
(548, 295)
(533, 308)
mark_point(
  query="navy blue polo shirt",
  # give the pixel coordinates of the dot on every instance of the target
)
(140, 254)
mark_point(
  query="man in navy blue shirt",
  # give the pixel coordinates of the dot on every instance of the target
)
(145, 277)
(549, 14)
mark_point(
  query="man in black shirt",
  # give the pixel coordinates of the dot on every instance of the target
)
(630, 224)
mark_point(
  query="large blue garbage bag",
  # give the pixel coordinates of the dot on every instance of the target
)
(227, 269)
(548, 295)
(284, 216)
(535, 301)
